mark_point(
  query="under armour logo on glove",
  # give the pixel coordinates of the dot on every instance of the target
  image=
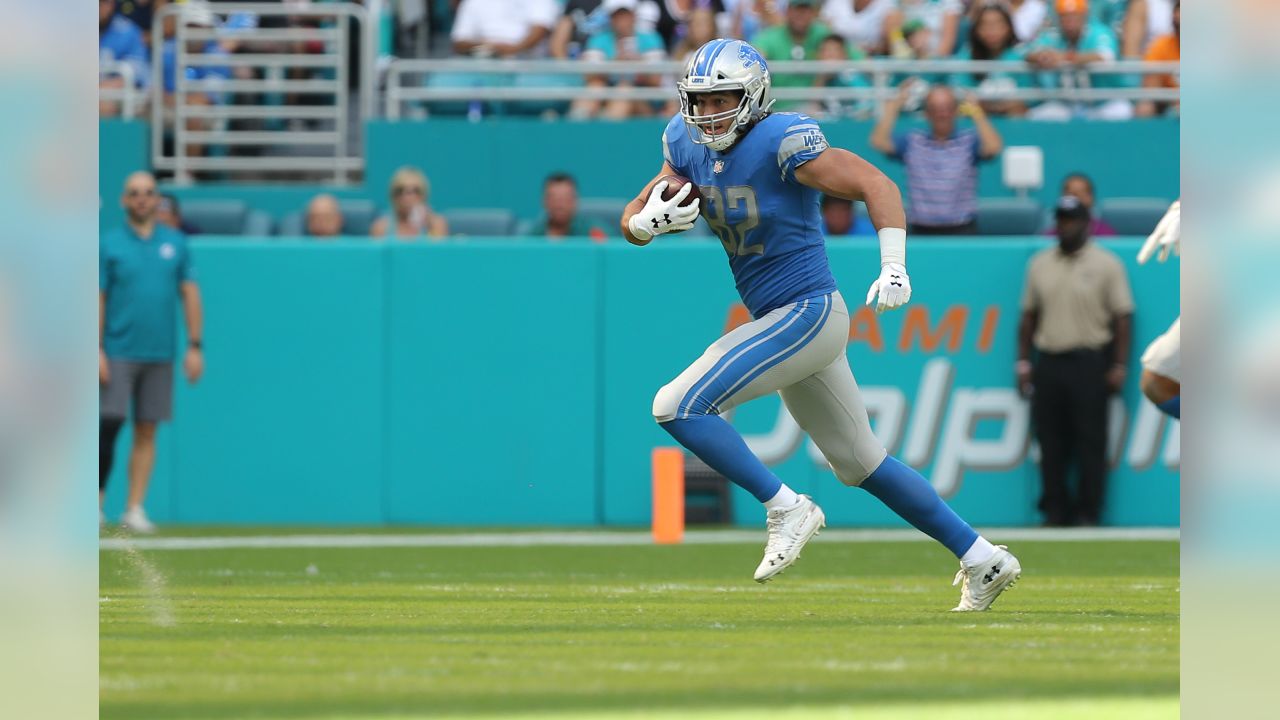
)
(892, 289)
(662, 216)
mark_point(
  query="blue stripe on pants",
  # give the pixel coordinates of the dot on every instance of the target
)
(694, 390)
(754, 356)
(779, 357)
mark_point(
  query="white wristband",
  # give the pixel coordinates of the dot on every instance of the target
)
(638, 230)
(893, 246)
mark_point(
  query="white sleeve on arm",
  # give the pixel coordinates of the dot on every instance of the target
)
(543, 12)
(466, 26)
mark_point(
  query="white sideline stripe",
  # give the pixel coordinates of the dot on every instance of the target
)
(606, 538)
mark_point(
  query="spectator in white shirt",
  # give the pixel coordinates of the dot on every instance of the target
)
(865, 24)
(504, 28)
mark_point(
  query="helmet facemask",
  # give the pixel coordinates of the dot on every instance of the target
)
(701, 126)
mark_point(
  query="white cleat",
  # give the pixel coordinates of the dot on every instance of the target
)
(789, 529)
(135, 520)
(983, 583)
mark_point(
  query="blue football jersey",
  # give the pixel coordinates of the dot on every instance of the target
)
(769, 223)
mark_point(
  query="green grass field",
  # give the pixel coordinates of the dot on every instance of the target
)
(854, 630)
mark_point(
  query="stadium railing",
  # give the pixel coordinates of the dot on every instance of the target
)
(129, 96)
(486, 80)
(334, 150)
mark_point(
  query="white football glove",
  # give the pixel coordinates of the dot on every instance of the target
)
(893, 286)
(663, 216)
(1167, 237)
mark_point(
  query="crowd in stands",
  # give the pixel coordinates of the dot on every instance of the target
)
(1058, 40)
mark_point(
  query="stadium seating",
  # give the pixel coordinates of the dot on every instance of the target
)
(358, 215)
(604, 212)
(491, 222)
(461, 80)
(540, 80)
(226, 217)
(1009, 216)
(1133, 216)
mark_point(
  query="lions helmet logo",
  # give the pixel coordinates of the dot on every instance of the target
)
(749, 56)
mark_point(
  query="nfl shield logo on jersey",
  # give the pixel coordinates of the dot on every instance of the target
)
(717, 167)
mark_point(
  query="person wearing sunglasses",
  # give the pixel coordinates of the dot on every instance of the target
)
(144, 270)
(411, 216)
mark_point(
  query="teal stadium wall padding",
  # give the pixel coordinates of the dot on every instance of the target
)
(510, 383)
(502, 162)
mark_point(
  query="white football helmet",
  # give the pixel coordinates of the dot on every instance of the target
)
(719, 66)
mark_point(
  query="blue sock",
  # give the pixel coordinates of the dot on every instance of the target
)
(717, 444)
(1172, 408)
(907, 493)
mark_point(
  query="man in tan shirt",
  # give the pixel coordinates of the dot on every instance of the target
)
(1077, 313)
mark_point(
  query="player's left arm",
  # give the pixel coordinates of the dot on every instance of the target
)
(838, 172)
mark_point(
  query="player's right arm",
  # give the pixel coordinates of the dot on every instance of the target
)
(638, 216)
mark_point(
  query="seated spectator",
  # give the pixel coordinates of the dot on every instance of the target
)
(1144, 21)
(324, 217)
(942, 162)
(140, 12)
(1080, 186)
(1167, 48)
(504, 28)
(580, 20)
(839, 218)
(865, 24)
(560, 217)
(796, 39)
(620, 42)
(833, 47)
(168, 212)
(749, 17)
(411, 217)
(120, 41)
(933, 26)
(583, 18)
(992, 37)
(1066, 49)
(673, 19)
(701, 29)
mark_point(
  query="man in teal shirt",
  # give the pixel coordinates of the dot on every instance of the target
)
(560, 217)
(1064, 54)
(144, 268)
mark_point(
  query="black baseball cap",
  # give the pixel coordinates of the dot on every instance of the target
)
(1069, 207)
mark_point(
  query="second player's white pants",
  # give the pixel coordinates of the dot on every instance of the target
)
(1164, 355)
(797, 351)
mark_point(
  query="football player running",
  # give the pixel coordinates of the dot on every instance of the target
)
(1162, 361)
(761, 175)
